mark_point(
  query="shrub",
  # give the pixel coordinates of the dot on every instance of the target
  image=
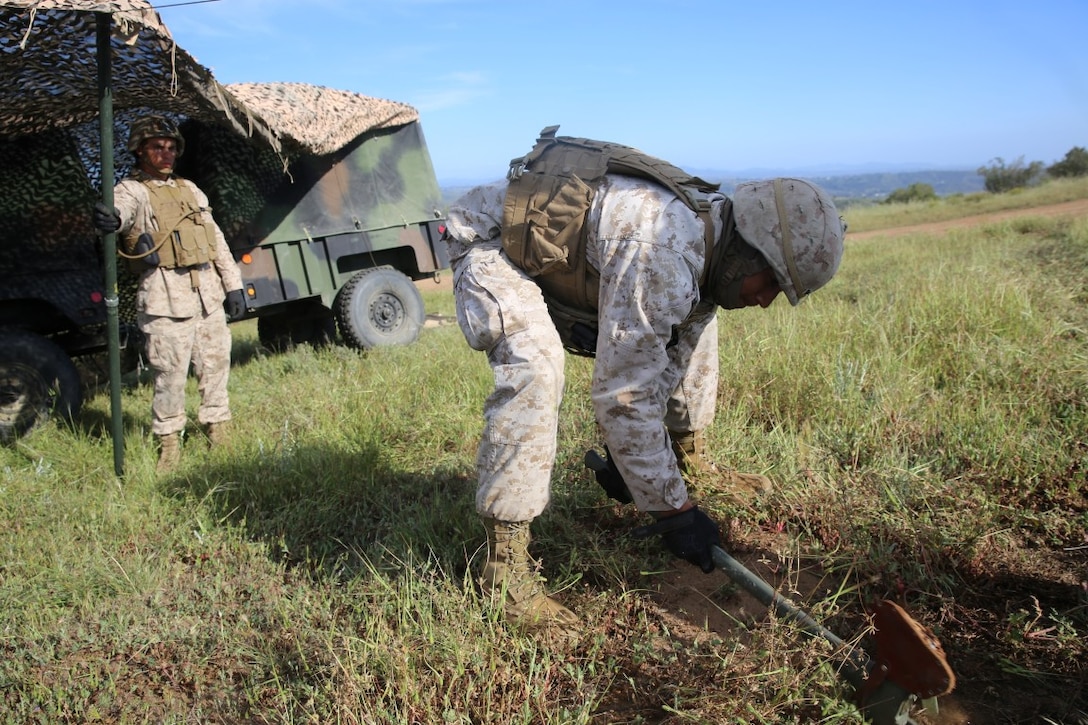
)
(1000, 178)
(915, 192)
(1075, 163)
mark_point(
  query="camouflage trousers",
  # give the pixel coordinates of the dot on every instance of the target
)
(173, 345)
(501, 311)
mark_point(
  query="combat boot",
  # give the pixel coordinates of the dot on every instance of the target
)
(511, 574)
(218, 433)
(169, 452)
(690, 451)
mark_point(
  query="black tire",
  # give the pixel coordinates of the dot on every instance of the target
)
(379, 307)
(37, 380)
(307, 326)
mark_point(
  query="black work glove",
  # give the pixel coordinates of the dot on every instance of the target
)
(688, 535)
(106, 219)
(584, 338)
(235, 304)
(608, 476)
(144, 244)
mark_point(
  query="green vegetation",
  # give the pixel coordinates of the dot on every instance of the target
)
(1000, 177)
(924, 417)
(916, 192)
(1075, 163)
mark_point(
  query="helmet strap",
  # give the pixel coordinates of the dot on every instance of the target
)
(787, 240)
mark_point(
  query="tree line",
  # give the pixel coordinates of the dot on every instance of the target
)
(1000, 176)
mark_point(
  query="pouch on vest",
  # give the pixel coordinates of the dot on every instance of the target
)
(183, 239)
(549, 225)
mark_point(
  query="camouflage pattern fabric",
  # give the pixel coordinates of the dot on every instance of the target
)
(648, 247)
(48, 79)
(49, 118)
(239, 178)
(204, 341)
(48, 248)
(180, 311)
(170, 292)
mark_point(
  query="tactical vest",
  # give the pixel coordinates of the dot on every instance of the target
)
(550, 192)
(183, 238)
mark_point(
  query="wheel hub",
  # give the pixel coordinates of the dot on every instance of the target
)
(386, 312)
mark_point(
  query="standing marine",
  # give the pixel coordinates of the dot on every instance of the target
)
(186, 274)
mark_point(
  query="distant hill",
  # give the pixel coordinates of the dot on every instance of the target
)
(872, 186)
(877, 186)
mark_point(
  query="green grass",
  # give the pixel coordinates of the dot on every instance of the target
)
(925, 418)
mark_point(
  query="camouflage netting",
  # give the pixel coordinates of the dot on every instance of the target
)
(49, 137)
(320, 119)
(48, 79)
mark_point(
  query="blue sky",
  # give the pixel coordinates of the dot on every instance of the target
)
(712, 85)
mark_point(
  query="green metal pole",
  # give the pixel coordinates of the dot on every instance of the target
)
(888, 704)
(104, 27)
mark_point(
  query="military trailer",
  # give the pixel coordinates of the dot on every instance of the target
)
(328, 199)
(333, 242)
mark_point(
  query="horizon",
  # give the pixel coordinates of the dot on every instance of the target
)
(873, 169)
(704, 86)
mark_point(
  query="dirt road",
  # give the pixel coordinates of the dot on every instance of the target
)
(1065, 209)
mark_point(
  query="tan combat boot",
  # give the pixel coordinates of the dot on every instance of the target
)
(690, 450)
(169, 452)
(218, 433)
(511, 571)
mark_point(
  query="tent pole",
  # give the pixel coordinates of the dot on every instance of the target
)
(104, 26)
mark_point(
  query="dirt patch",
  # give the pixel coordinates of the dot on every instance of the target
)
(442, 283)
(998, 631)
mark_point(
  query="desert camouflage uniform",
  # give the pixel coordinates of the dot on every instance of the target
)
(656, 362)
(182, 323)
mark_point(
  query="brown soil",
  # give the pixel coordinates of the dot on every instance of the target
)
(996, 682)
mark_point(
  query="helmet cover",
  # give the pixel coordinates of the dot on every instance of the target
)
(795, 226)
(147, 127)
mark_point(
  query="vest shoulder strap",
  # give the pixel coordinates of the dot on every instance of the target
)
(550, 192)
(589, 160)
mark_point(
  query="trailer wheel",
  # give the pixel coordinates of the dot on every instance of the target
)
(37, 380)
(379, 307)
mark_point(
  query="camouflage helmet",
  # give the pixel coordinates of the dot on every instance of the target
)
(795, 226)
(147, 127)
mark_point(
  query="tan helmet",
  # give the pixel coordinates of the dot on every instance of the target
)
(147, 127)
(795, 226)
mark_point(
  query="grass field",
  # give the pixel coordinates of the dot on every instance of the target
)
(924, 418)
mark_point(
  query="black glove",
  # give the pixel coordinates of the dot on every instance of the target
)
(144, 244)
(608, 476)
(235, 304)
(106, 219)
(688, 535)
